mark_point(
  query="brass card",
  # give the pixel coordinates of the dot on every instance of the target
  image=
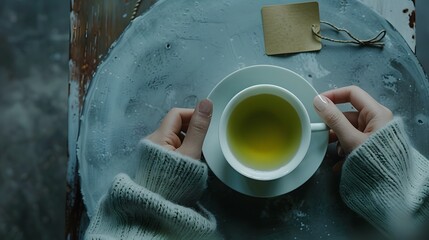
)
(287, 28)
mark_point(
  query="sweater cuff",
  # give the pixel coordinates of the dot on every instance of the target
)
(172, 175)
(130, 211)
(375, 181)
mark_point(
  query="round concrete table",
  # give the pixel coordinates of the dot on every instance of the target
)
(174, 54)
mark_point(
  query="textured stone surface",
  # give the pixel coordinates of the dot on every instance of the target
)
(165, 59)
(33, 114)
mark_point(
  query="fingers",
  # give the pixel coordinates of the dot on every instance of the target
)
(168, 134)
(353, 94)
(194, 122)
(340, 151)
(332, 116)
(353, 119)
(332, 136)
(197, 129)
(345, 131)
(350, 128)
(175, 119)
(370, 115)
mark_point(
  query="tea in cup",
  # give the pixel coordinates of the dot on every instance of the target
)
(265, 132)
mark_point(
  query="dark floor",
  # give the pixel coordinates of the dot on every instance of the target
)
(33, 107)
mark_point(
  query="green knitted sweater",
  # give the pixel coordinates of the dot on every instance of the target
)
(384, 180)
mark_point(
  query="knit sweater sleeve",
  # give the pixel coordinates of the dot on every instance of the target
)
(160, 202)
(386, 181)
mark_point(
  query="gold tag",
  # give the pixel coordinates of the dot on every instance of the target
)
(288, 28)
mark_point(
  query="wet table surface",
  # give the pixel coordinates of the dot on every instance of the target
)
(175, 53)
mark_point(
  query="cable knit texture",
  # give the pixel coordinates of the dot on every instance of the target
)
(161, 202)
(386, 181)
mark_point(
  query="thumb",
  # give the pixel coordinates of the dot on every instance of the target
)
(197, 129)
(348, 136)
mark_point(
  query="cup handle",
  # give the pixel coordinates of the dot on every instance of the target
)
(317, 127)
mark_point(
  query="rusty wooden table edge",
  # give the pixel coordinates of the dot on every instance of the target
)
(91, 35)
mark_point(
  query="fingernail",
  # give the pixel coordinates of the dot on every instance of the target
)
(205, 107)
(320, 102)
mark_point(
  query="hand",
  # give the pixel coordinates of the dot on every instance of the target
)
(351, 129)
(194, 122)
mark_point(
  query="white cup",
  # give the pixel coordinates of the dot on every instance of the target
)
(231, 142)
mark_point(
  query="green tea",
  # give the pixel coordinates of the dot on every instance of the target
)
(264, 132)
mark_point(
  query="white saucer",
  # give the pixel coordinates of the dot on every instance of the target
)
(224, 91)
